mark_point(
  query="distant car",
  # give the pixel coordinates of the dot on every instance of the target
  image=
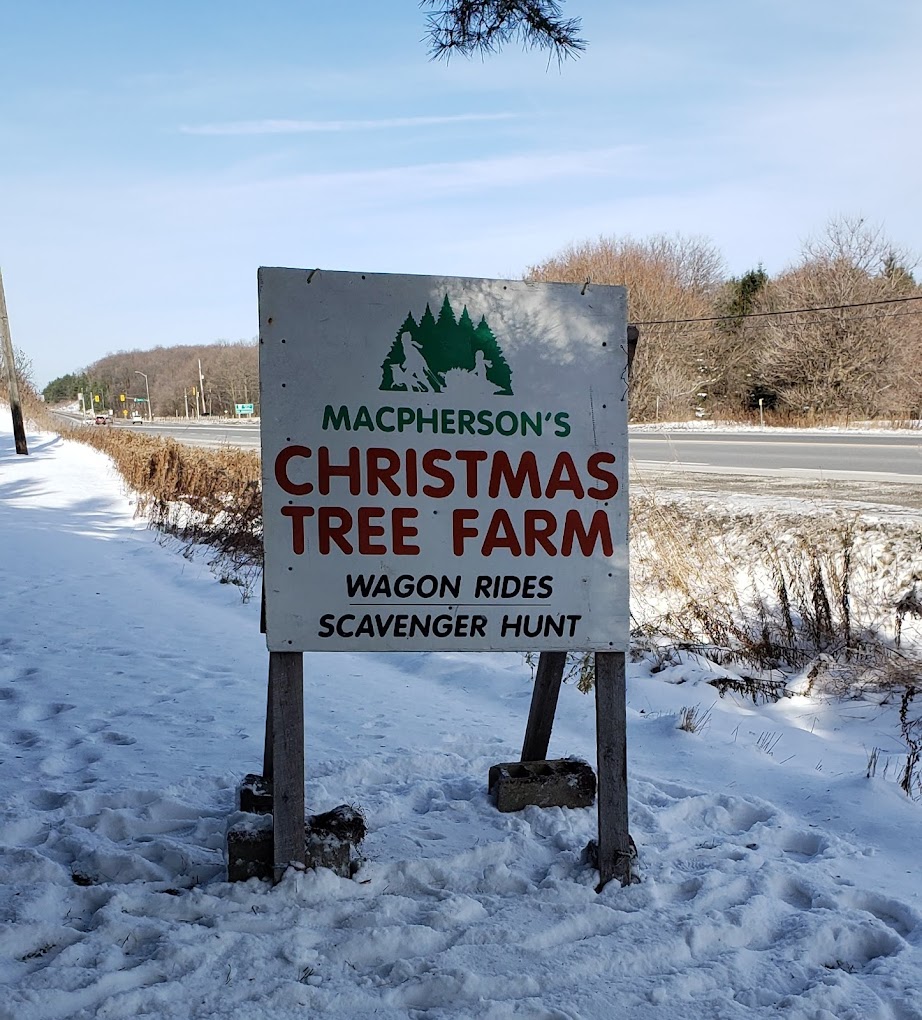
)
(136, 419)
(101, 419)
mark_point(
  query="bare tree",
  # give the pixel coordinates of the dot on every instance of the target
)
(669, 278)
(231, 373)
(853, 360)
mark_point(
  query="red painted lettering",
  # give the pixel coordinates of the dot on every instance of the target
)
(403, 531)
(501, 535)
(564, 477)
(297, 515)
(368, 531)
(327, 471)
(599, 531)
(333, 524)
(502, 473)
(281, 470)
(430, 466)
(596, 471)
(460, 531)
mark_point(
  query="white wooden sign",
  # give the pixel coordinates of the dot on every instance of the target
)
(444, 463)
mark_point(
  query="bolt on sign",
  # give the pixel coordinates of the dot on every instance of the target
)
(444, 463)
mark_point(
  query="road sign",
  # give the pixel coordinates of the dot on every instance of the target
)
(243, 408)
(444, 463)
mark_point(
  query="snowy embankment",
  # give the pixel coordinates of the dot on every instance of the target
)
(775, 877)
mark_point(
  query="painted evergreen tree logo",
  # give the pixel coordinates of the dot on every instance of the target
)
(434, 355)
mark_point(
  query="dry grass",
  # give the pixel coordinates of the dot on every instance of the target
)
(200, 497)
(792, 593)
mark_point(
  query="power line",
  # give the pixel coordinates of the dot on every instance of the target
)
(784, 311)
(803, 322)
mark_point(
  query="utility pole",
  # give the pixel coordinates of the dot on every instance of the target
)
(201, 384)
(150, 410)
(19, 431)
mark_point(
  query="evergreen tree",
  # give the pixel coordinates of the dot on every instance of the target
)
(65, 387)
(498, 371)
(741, 297)
(397, 355)
(456, 349)
(466, 326)
(427, 341)
(899, 276)
(484, 26)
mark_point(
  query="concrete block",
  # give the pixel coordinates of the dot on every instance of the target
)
(560, 782)
(330, 841)
(249, 848)
(255, 795)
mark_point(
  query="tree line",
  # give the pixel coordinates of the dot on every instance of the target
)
(836, 334)
(229, 376)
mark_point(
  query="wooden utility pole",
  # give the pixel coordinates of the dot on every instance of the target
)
(19, 431)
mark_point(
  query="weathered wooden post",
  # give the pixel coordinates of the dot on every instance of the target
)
(9, 362)
(270, 733)
(614, 844)
(286, 693)
(548, 679)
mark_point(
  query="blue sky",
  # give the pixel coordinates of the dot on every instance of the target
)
(152, 156)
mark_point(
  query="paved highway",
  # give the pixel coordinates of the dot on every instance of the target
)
(827, 456)
(807, 455)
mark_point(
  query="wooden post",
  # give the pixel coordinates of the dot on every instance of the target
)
(268, 770)
(633, 337)
(543, 705)
(269, 734)
(286, 693)
(611, 739)
(9, 360)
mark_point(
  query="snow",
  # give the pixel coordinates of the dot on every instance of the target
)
(775, 877)
(897, 429)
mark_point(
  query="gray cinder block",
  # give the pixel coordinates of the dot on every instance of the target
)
(330, 841)
(560, 782)
(249, 848)
(255, 795)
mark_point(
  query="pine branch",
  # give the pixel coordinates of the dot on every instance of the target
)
(485, 26)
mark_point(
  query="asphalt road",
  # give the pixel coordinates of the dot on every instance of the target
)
(856, 466)
(817, 456)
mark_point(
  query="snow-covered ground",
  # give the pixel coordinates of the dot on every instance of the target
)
(776, 879)
(712, 425)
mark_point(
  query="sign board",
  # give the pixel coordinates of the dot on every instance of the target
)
(444, 463)
(243, 408)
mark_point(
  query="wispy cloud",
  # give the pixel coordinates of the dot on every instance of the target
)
(299, 127)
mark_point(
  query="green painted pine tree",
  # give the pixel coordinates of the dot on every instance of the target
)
(397, 355)
(427, 341)
(498, 371)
